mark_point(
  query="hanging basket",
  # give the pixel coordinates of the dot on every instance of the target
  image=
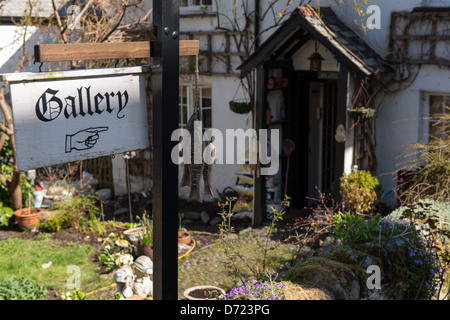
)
(240, 107)
(361, 113)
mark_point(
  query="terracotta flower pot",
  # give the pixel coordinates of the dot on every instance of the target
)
(145, 251)
(28, 218)
(184, 237)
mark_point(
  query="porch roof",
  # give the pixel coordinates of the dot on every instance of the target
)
(305, 24)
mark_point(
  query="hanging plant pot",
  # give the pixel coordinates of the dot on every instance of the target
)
(203, 293)
(361, 113)
(240, 107)
(28, 218)
(184, 236)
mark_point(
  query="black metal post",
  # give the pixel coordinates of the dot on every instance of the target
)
(165, 173)
(260, 118)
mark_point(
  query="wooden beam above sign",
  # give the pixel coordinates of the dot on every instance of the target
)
(101, 51)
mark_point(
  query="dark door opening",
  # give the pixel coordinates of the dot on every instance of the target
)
(312, 114)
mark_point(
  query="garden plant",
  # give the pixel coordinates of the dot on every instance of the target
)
(259, 271)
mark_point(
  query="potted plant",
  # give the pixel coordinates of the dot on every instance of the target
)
(27, 218)
(206, 292)
(183, 235)
(361, 113)
(145, 238)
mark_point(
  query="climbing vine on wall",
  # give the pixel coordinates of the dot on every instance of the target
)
(416, 38)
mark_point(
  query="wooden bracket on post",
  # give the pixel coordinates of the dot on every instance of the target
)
(107, 50)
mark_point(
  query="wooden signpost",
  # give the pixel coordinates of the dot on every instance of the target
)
(85, 113)
(67, 116)
(72, 115)
(99, 51)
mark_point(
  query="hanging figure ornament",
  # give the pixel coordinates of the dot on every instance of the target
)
(207, 168)
(197, 167)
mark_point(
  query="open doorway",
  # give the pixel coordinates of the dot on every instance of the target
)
(312, 111)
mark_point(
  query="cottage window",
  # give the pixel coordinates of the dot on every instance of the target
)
(186, 103)
(195, 6)
(435, 107)
(193, 3)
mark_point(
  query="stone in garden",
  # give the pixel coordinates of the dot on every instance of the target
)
(104, 194)
(328, 241)
(333, 276)
(121, 212)
(204, 216)
(215, 221)
(188, 221)
(192, 215)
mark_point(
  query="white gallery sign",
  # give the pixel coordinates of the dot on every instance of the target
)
(67, 116)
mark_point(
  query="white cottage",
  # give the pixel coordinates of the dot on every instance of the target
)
(397, 65)
(401, 45)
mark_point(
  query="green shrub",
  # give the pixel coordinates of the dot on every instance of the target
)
(76, 294)
(54, 221)
(360, 190)
(431, 162)
(353, 229)
(433, 219)
(5, 215)
(424, 208)
(418, 266)
(422, 267)
(21, 289)
(6, 171)
(80, 210)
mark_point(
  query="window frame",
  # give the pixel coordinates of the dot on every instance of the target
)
(424, 131)
(195, 9)
(190, 96)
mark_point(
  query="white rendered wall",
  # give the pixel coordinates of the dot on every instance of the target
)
(399, 121)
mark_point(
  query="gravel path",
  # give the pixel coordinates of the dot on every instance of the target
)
(210, 265)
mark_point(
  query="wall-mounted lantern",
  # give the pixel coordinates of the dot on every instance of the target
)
(316, 60)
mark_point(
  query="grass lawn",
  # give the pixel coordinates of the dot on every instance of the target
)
(24, 258)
